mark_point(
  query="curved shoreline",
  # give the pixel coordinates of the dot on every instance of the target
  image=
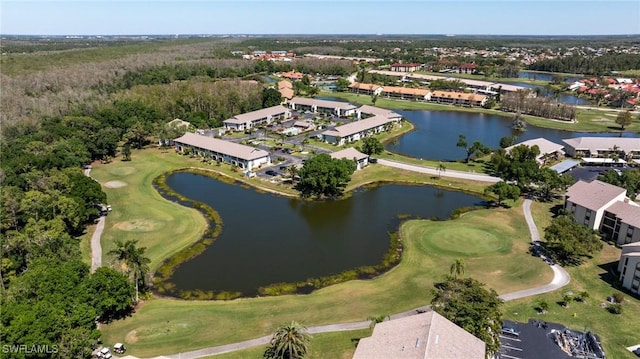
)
(168, 266)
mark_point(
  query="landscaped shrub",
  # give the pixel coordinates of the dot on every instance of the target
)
(615, 308)
(618, 298)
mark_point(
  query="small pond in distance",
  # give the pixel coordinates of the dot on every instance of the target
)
(269, 239)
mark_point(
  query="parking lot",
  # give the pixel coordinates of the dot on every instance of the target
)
(534, 341)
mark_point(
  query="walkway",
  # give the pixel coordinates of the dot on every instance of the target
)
(96, 246)
(560, 279)
(447, 173)
(560, 276)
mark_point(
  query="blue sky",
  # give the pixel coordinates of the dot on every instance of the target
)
(506, 17)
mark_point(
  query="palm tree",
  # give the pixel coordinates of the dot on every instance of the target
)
(441, 168)
(457, 268)
(290, 341)
(132, 261)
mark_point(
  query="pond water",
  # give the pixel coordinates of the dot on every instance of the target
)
(564, 98)
(436, 133)
(543, 76)
(269, 239)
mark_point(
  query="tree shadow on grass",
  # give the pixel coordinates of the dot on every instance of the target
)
(610, 275)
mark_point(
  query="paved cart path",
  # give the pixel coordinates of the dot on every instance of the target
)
(446, 173)
(96, 246)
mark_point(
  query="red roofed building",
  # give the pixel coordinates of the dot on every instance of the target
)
(405, 67)
(467, 68)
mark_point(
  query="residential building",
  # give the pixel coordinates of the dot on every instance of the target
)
(405, 93)
(286, 89)
(621, 222)
(549, 151)
(245, 157)
(467, 68)
(336, 108)
(358, 130)
(365, 89)
(422, 336)
(293, 75)
(629, 267)
(458, 98)
(400, 67)
(361, 159)
(587, 201)
(605, 148)
(252, 119)
(369, 111)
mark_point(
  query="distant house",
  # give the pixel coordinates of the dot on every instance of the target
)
(548, 150)
(405, 93)
(358, 130)
(361, 159)
(629, 267)
(400, 67)
(420, 336)
(365, 89)
(467, 68)
(245, 157)
(286, 89)
(458, 98)
(587, 201)
(337, 108)
(252, 119)
(293, 75)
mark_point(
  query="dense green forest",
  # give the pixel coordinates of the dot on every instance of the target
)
(589, 65)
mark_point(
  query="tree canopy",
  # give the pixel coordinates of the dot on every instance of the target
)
(504, 191)
(323, 176)
(476, 148)
(372, 146)
(271, 97)
(469, 305)
(624, 119)
(290, 341)
(628, 179)
(569, 242)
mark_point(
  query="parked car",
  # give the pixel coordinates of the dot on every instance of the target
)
(271, 173)
(510, 331)
(104, 353)
(637, 352)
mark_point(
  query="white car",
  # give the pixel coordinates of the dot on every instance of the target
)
(104, 353)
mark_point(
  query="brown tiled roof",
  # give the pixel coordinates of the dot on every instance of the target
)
(358, 126)
(359, 85)
(221, 146)
(405, 90)
(427, 335)
(349, 153)
(458, 95)
(593, 195)
(628, 213)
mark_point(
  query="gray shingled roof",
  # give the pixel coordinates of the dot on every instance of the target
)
(221, 146)
(427, 335)
(322, 103)
(256, 115)
(358, 126)
(593, 195)
(349, 153)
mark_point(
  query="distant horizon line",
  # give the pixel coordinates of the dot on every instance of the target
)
(315, 34)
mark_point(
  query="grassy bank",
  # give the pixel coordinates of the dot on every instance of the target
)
(616, 331)
(483, 78)
(163, 326)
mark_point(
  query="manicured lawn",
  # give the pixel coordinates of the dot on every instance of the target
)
(337, 345)
(165, 326)
(616, 331)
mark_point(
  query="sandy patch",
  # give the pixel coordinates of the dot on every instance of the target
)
(131, 337)
(115, 184)
(122, 171)
(137, 225)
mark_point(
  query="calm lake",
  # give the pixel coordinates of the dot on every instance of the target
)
(269, 239)
(436, 133)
